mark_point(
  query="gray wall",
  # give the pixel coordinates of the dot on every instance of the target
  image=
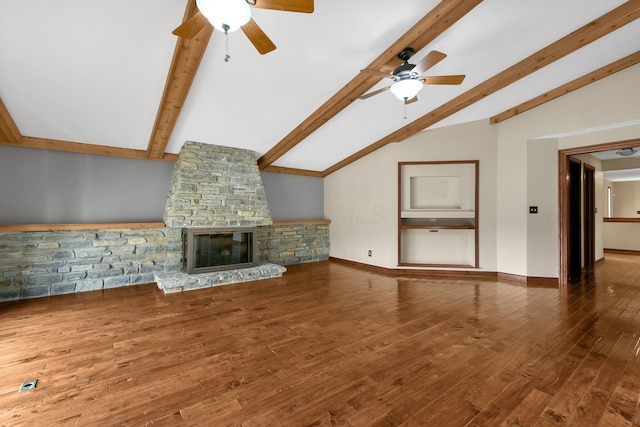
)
(54, 187)
(294, 197)
(43, 186)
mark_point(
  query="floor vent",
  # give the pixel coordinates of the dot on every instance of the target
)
(28, 385)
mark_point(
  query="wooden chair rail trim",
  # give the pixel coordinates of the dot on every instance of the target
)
(11, 228)
(621, 219)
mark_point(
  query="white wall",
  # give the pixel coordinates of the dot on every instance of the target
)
(361, 199)
(626, 199)
(607, 102)
(542, 191)
(622, 235)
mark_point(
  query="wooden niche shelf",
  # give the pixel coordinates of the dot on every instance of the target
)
(438, 214)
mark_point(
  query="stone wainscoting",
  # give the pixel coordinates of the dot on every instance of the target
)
(44, 263)
(287, 243)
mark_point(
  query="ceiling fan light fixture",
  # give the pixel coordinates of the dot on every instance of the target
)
(225, 15)
(626, 152)
(406, 88)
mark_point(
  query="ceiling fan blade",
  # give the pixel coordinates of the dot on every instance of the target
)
(257, 37)
(191, 26)
(428, 61)
(375, 92)
(411, 101)
(378, 73)
(304, 6)
(443, 80)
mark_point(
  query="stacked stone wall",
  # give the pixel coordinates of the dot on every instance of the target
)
(35, 264)
(293, 243)
(214, 186)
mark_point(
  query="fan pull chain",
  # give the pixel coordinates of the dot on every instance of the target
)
(405, 108)
(225, 27)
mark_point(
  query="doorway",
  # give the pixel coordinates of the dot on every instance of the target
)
(574, 218)
(589, 229)
(563, 198)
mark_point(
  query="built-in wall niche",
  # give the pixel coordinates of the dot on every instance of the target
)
(437, 213)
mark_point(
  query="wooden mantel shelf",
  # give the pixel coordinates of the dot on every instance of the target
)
(11, 228)
(303, 222)
(14, 228)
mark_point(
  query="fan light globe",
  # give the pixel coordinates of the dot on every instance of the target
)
(406, 89)
(233, 13)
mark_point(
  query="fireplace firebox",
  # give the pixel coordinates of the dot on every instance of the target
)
(214, 249)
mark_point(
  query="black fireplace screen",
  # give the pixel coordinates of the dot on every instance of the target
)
(209, 250)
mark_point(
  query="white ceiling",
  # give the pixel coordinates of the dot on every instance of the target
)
(93, 71)
(622, 175)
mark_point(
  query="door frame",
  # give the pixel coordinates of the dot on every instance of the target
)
(563, 194)
(588, 215)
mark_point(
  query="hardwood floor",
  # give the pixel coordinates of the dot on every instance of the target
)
(330, 344)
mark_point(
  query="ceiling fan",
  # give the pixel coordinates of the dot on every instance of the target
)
(408, 78)
(229, 15)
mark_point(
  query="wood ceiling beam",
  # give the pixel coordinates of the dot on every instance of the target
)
(607, 23)
(78, 147)
(437, 21)
(10, 135)
(9, 132)
(293, 171)
(184, 66)
(585, 80)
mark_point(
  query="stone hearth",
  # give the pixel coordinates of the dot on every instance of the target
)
(178, 282)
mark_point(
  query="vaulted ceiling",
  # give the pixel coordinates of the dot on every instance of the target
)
(109, 77)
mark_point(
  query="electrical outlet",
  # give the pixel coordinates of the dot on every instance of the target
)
(370, 252)
(533, 209)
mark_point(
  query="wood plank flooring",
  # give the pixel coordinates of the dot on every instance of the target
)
(330, 345)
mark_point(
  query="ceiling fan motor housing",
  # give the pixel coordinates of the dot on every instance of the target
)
(404, 71)
(406, 53)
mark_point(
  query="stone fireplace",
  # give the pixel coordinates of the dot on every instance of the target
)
(215, 249)
(212, 187)
(216, 193)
